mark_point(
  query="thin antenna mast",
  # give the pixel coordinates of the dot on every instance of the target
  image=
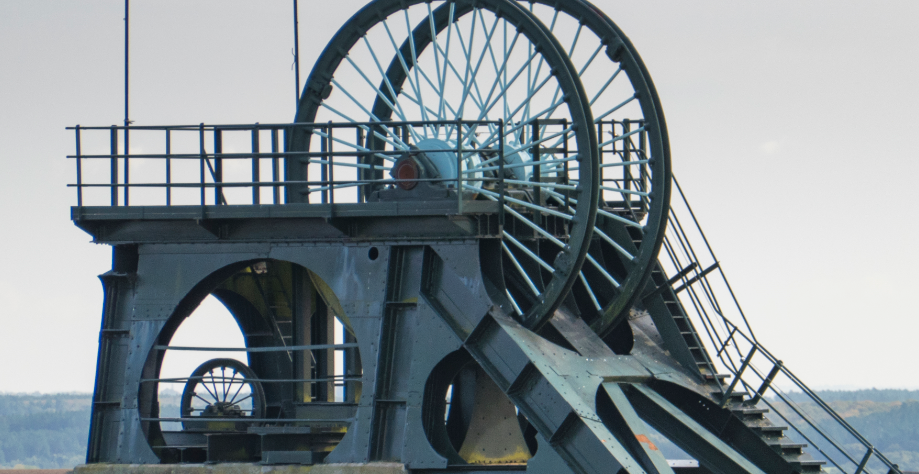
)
(127, 120)
(296, 51)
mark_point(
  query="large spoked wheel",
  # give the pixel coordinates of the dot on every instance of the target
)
(441, 62)
(218, 390)
(635, 174)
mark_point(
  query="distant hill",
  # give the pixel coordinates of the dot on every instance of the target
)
(51, 431)
(45, 431)
(869, 395)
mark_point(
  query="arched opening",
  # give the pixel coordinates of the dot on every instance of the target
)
(258, 363)
(210, 325)
(469, 420)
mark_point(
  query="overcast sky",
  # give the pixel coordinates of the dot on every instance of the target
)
(792, 127)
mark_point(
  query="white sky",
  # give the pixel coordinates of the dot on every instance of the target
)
(792, 126)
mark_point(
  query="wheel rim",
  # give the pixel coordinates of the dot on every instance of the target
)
(635, 198)
(221, 388)
(497, 57)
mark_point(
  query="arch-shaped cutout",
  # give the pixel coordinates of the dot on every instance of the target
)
(300, 352)
(469, 420)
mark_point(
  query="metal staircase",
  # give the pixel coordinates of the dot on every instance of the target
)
(750, 379)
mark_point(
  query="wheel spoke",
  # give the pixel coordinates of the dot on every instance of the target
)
(223, 384)
(389, 87)
(408, 75)
(415, 68)
(605, 86)
(241, 384)
(599, 118)
(203, 400)
(590, 292)
(602, 270)
(520, 269)
(513, 302)
(527, 251)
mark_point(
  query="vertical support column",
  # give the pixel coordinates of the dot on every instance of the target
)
(322, 332)
(352, 366)
(302, 311)
(105, 421)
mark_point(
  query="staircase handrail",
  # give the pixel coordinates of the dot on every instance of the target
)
(732, 360)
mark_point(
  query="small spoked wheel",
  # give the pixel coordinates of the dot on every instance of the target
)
(222, 389)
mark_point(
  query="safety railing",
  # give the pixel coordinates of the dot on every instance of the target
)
(721, 324)
(255, 163)
(258, 164)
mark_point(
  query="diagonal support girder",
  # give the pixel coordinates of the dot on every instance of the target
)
(684, 431)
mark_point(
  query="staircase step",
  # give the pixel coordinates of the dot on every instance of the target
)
(807, 465)
(769, 429)
(744, 411)
(717, 376)
(735, 394)
(787, 448)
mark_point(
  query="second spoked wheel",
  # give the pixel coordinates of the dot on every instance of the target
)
(441, 62)
(222, 395)
(583, 137)
(634, 159)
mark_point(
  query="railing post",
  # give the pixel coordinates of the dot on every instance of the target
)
(360, 142)
(113, 181)
(537, 172)
(275, 166)
(331, 161)
(256, 174)
(565, 156)
(861, 465)
(218, 167)
(79, 171)
(203, 157)
(737, 376)
(324, 167)
(643, 168)
(168, 167)
(766, 383)
(626, 170)
(459, 167)
(727, 341)
(501, 176)
(288, 132)
(127, 164)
